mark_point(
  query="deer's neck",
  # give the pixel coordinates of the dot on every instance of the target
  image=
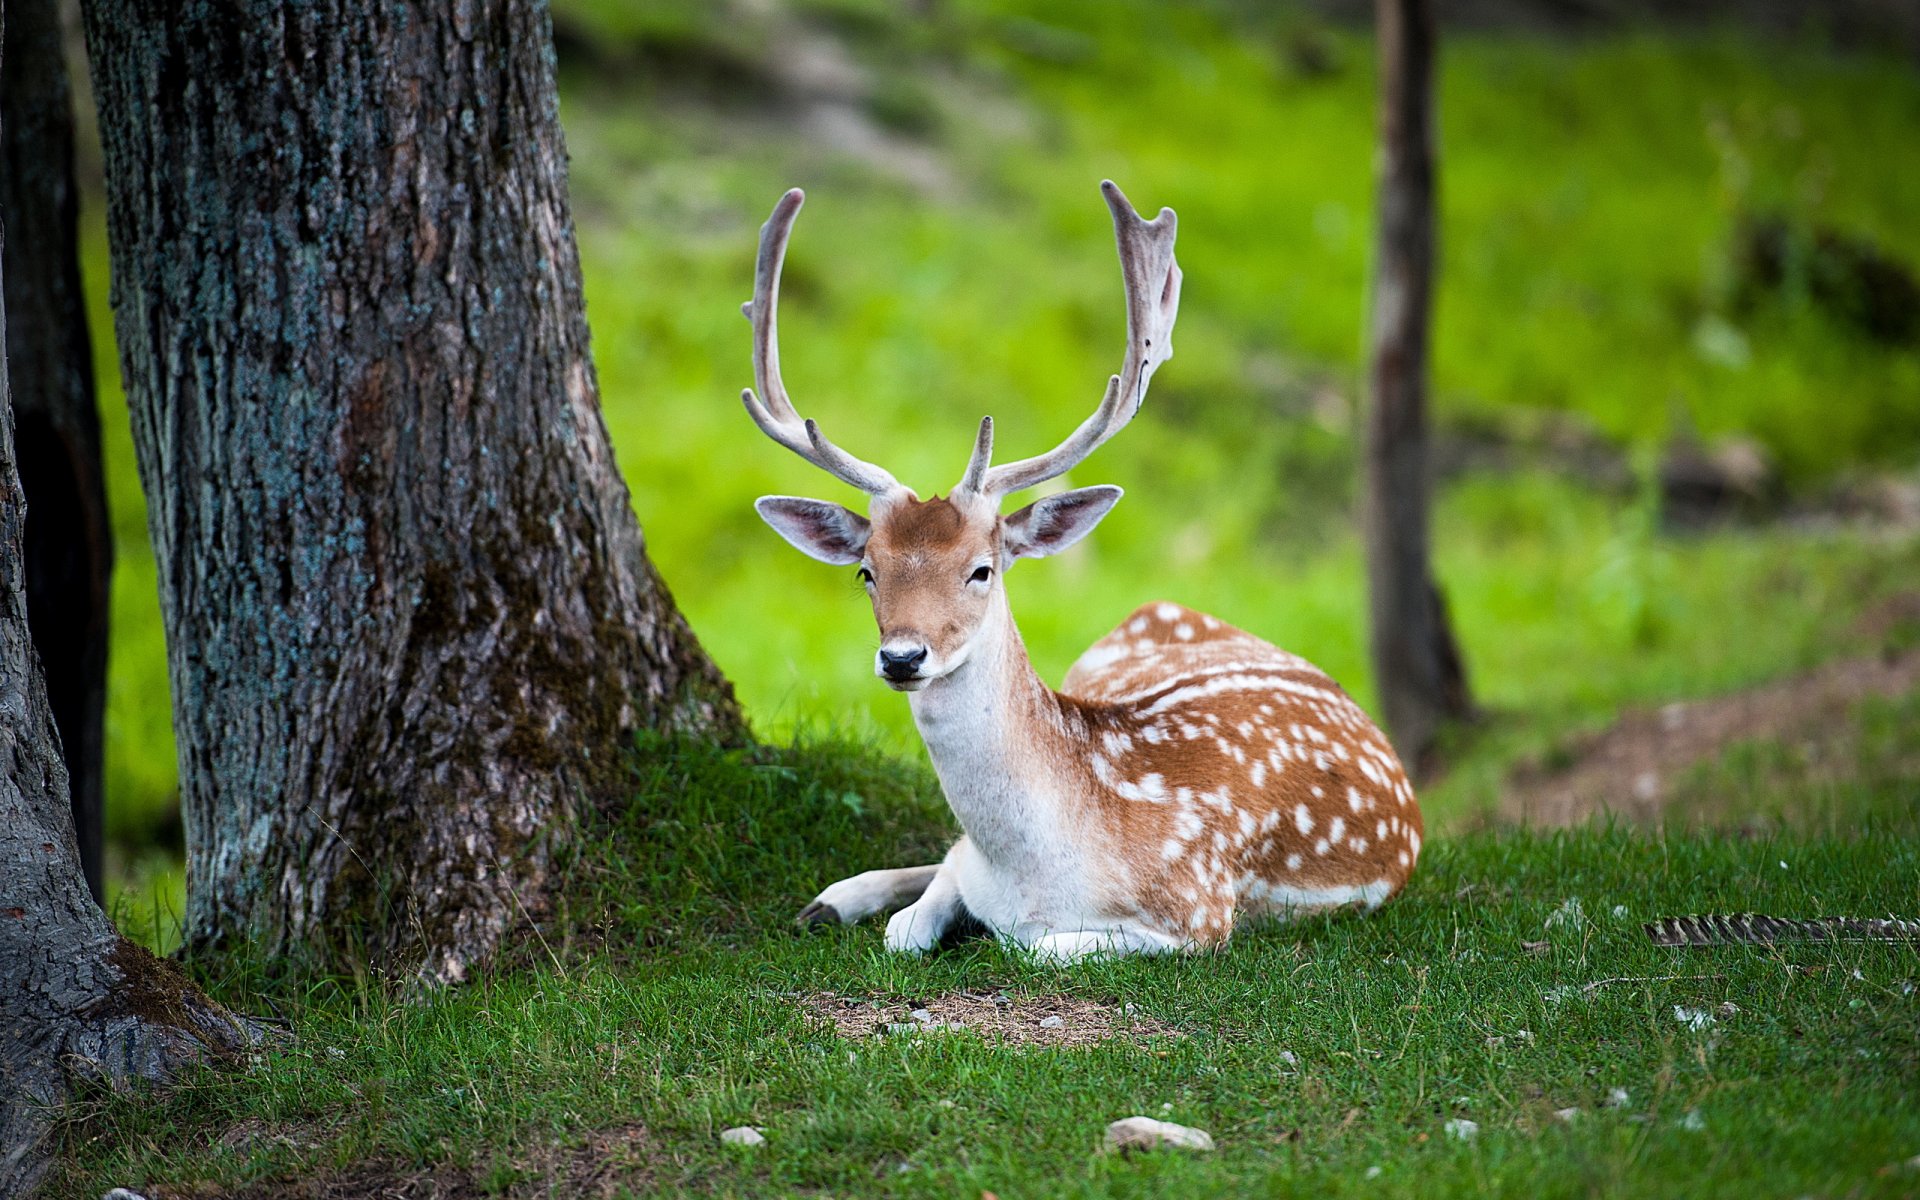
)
(998, 738)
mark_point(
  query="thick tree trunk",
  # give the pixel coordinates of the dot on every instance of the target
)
(410, 618)
(1416, 661)
(69, 540)
(77, 999)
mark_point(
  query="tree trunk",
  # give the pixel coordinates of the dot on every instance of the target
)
(1416, 661)
(410, 619)
(77, 998)
(69, 539)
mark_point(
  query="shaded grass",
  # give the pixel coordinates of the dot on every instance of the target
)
(670, 1002)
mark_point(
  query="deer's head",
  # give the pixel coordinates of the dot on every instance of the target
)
(933, 567)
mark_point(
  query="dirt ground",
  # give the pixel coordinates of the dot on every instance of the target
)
(1632, 767)
(1065, 1021)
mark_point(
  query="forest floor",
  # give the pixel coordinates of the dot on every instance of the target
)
(1510, 987)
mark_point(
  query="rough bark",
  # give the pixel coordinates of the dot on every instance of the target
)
(1416, 661)
(410, 619)
(69, 540)
(79, 1001)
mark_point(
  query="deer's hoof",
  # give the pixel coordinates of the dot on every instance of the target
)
(818, 914)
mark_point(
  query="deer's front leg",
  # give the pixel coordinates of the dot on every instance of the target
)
(869, 892)
(919, 926)
(1063, 948)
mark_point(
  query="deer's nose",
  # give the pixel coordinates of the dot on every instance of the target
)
(902, 665)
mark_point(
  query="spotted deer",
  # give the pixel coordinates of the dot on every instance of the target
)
(1186, 775)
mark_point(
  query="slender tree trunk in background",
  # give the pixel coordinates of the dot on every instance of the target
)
(410, 619)
(1416, 661)
(77, 999)
(69, 539)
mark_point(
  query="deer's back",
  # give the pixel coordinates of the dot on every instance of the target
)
(1236, 773)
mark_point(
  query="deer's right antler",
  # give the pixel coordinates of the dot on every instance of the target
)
(775, 415)
(1152, 280)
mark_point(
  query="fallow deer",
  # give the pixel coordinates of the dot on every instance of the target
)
(1188, 773)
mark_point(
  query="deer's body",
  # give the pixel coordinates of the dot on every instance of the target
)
(1186, 775)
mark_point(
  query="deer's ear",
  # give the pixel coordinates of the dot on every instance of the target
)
(816, 528)
(1050, 525)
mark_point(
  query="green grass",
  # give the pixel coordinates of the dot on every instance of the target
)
(665, 993)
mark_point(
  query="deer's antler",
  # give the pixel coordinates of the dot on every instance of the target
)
(775, 414)
(1152, 280)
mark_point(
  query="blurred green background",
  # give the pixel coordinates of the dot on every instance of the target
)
(1656, 242)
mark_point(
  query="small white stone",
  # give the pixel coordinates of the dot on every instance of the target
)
(1290, 1058)
(1145, 1133)
(1617, 1097)
(1693, 1121)
(1568, 1116)
(1053, 1022)
(743, 1135)
(1695, 1019)
(1523, 1036)
(123, 1194)
(1373, 1172)
(921, 1015)
(1461, 1129)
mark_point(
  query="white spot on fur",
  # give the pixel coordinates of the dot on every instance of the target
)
(1337, 832)
(1302, 819)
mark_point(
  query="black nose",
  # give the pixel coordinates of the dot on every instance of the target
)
(902, 664)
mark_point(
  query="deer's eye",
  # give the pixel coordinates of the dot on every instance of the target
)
(980, 575)
(866, 576)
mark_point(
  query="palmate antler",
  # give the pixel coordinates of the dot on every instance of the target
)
(776, 416)
(1152, 281)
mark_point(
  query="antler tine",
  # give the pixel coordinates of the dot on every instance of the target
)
(975, 480)
(775, 414)
(1152, 281)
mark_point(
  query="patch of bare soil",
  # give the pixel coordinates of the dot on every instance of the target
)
(1018, 1020)
(605, 1163)
(1631, 767)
